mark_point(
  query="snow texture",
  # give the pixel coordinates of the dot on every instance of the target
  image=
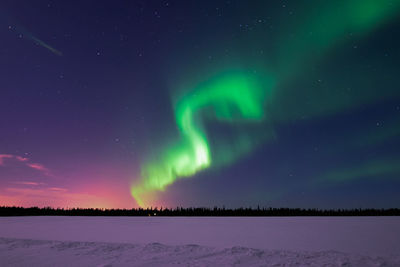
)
(205, 241)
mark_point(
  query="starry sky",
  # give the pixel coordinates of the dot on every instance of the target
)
(121, 104)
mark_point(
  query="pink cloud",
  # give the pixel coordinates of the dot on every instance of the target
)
(29, 183)
(4, 156)
(35, 166)
(57, 189)
(21, 158)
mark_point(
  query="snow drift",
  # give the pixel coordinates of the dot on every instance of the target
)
(205, 241)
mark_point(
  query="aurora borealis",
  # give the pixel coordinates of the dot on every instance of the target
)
(239, 93)
(286, 103)
(233, 98)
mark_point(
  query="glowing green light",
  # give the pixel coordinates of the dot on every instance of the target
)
(239, 98)
(232, 97)
(370, 169)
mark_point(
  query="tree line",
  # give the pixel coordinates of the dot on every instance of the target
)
(179, 211)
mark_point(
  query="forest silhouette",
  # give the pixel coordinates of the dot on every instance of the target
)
(201, 212)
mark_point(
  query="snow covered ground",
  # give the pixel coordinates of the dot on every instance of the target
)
(204, 241)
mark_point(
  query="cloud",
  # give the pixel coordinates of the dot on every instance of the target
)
(21, 158)
(4, 156)
(32, 165)
(58, 189)
(37, 166)
(29, 183)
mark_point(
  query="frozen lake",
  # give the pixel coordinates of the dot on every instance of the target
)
(365, 236)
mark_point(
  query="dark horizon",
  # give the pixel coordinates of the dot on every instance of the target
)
(196, 212)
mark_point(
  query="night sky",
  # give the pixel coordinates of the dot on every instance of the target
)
(116, 104)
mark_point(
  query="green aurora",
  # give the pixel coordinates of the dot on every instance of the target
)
(370, 169)
(242, 97)
(233, 98)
